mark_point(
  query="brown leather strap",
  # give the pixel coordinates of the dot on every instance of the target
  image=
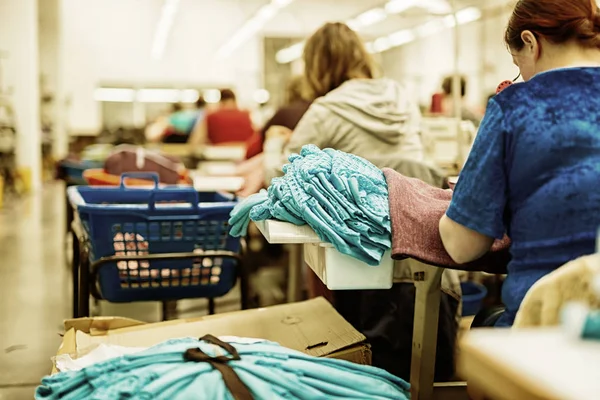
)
(238, 389)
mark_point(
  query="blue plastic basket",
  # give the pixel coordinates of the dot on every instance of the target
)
(472, 295)
(122, 221)
(74, 170)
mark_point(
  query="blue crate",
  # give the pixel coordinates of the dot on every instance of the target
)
(74, 170)
(139, 221)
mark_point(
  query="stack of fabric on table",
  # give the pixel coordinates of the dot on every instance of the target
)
(343, 197)
(242, 369)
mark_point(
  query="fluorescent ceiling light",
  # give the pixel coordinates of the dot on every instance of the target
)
(401, 37)
(163, 28)
(252, 26)
(158, 96)
(261, 96)
(382, 44)
(290, 54)
(189, 96)
(429, 28)
(212, 95)
(114, 95)
(467, 15)
(367, 18)
(398, 6)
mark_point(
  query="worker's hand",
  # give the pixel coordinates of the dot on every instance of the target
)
(253, 183)
(278, 131)
(249, 166)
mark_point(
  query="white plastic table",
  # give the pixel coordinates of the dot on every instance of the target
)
(530, 364)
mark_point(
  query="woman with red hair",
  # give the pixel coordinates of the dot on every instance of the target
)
(534, 170)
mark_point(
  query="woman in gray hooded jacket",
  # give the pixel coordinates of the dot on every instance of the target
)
(354, 112)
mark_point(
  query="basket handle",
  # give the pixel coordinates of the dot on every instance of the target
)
(153, 176)
(181, 194)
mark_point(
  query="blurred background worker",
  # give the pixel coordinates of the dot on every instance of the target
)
(228, 124)
(443, 103)
(285, 118)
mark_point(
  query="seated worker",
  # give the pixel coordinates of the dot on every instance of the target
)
(286, 116)
(534, 168)
(228, 124)
(447, 101)
(354, 111)
(182, 122)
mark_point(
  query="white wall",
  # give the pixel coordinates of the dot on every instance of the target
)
(19, 41)
(483, 58)
(109, 42)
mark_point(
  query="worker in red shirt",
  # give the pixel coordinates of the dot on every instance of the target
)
(228, 124)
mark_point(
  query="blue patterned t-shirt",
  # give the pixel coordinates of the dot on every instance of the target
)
(534, 173)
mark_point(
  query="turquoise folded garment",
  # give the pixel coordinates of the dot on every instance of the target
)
(267, 370)
(342, 197)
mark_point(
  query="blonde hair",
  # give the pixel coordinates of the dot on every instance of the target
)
(333, 55)
(296, 90)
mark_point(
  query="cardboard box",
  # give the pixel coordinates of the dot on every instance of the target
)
(312, 327)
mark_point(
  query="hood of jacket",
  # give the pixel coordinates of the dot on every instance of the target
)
(381, 107)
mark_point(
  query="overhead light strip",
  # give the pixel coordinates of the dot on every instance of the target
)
(427, 29)
(163, 28)
(294, 52)
(252, 26)
(126, 95)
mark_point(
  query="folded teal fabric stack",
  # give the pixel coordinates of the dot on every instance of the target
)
(343, 197)
(267, 370)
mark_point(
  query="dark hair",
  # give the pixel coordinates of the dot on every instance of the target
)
(558, 21)
(227, 94)
(447, 85)
(176, 107)
(200, 103)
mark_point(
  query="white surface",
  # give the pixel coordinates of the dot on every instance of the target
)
(216, 184)
(341, 272)
(568, 367)
(338, 271)
(228, 153)
(278, 232)
(217, 168)
(19, 71)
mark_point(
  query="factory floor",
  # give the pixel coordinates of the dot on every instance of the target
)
(36, 291)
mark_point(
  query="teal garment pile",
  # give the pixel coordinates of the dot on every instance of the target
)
(343, 197)
(267, 370)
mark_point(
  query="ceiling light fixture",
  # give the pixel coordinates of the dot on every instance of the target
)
(371, 17)
(163, 28)
(429, 28)
(398, 6)
(117, 95)
(367, 19)
(158, 96)
(212, 96)
(252, 26)
(290, 54)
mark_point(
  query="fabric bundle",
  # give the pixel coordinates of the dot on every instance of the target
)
(416, 209)
(210, 369)
(343, 197)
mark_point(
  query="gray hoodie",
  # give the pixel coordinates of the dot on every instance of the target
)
(366, 117)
